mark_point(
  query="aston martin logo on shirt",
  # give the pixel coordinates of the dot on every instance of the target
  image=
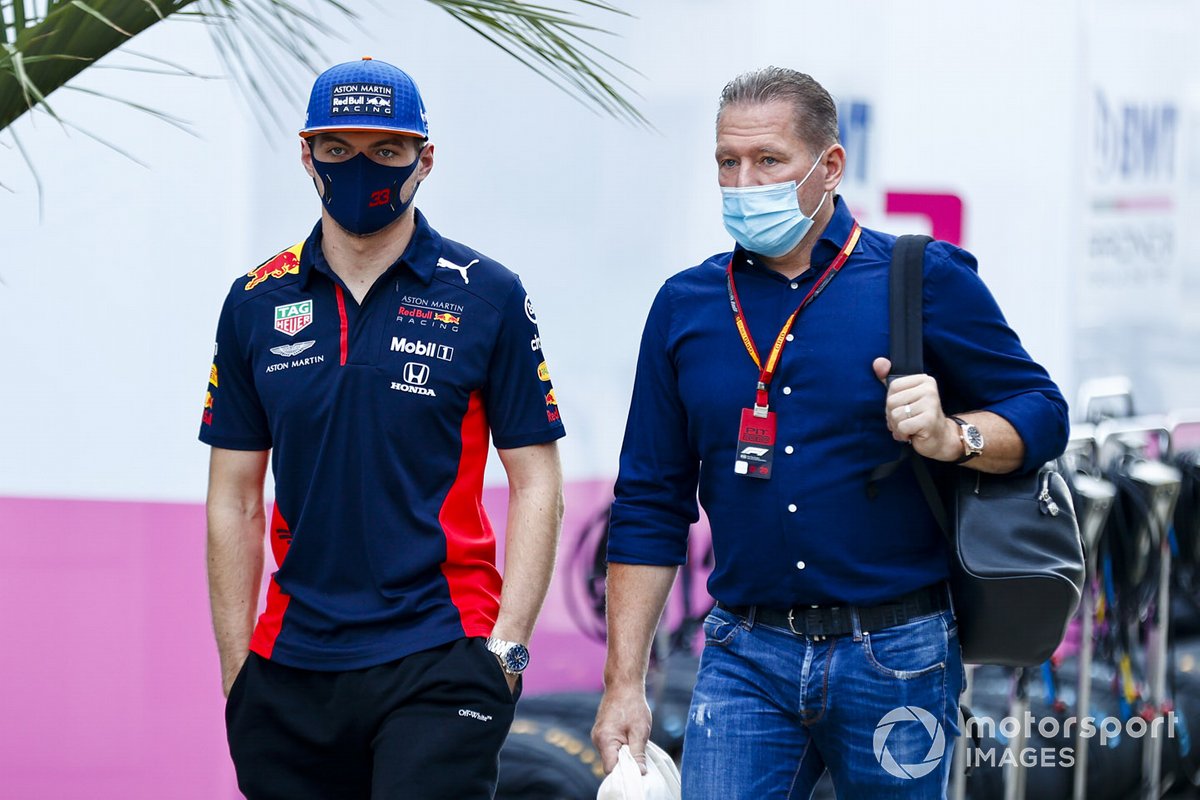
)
(289, 350)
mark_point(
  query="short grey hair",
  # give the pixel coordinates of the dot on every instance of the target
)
(816, 121)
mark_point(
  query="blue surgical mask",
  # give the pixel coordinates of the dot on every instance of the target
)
(361, 195)
(767, 219)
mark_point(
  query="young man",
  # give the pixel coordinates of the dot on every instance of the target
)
(371, 361)
(832, 608)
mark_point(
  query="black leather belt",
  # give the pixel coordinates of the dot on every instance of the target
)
(822, 621)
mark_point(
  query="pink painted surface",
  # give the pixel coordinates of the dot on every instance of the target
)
(108, 667)
(944, 211)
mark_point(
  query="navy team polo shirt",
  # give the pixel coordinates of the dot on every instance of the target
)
(378, 417)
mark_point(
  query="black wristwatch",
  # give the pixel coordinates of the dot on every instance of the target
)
(972, 440)
(513, 656)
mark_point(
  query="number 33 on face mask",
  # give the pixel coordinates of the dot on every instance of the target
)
(362, 195)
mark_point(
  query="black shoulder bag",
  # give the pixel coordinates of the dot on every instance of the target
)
(1016, 557)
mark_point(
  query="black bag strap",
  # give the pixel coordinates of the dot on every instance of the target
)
(907, 347)
(904, 305)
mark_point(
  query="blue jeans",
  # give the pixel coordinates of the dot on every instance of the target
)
(772, 711)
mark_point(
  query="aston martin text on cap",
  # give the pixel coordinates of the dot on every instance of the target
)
(366, 95)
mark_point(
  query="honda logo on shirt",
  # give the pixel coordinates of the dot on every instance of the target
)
(415, 373)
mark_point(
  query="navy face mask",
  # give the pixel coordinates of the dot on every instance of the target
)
(361, 195)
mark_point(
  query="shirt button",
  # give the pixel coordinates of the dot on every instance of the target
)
(792, 508)
(787, 390)
(799, 565)
(794, 285)
(789, 449)
(790, 336)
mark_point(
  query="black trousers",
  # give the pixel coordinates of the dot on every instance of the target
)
(426, 727)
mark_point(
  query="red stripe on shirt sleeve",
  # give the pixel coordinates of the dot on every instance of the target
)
(470, 565)
(271, 620)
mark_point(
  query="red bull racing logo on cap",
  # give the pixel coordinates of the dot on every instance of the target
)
(362, 98)
(283, 264)
(293, 317)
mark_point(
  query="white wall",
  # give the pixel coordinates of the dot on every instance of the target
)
(110, 299)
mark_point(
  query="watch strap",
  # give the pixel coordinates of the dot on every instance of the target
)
(968, 453)
(501, 649)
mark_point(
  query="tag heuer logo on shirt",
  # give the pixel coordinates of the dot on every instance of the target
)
(293, 317)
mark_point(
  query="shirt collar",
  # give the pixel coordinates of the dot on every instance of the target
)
(835, 235)
(421, 256)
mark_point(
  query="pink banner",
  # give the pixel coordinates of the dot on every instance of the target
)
(110, 674)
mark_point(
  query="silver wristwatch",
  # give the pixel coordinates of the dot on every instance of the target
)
(972, 440)
(513, 656)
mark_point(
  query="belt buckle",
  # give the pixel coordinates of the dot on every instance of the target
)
(791, 619)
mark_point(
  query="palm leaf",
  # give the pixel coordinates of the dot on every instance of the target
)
(550, 42)
(42, 50)
(57, 46)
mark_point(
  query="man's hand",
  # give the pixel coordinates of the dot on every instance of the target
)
(623, 718)
(913, 410)
(230, 671)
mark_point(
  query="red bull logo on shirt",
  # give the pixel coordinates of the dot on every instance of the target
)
(285, 263)
(552, 413)
(428, 317)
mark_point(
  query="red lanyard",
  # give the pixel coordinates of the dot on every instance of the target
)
(767, 371)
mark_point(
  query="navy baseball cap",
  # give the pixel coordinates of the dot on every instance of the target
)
(366, 95)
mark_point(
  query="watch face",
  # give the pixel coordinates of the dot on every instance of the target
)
(974, 437)
(517, 658)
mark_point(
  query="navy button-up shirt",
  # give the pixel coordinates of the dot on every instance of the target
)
(379, 416)
(810, 534)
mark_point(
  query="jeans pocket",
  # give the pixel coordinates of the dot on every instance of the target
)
(911, 650)
(720, 627)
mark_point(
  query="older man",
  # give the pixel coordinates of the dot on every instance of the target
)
(373, 359)
(760, 383)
